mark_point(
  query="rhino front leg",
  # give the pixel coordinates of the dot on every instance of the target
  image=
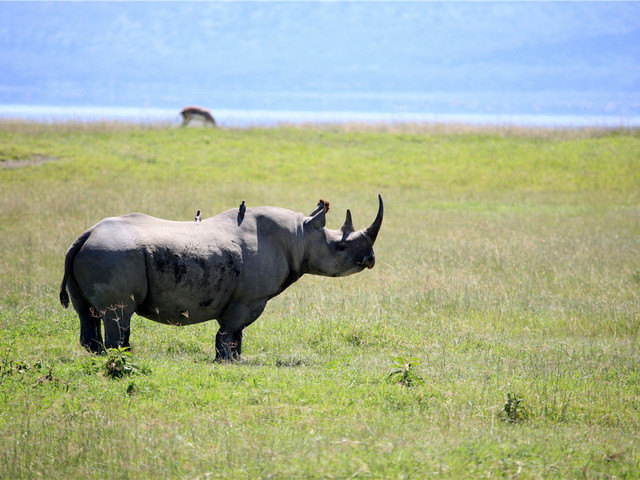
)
(225, 350)
(237, 344)
(228, 345)
(234, 319)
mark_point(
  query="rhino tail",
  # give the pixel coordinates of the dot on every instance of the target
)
(68, 264)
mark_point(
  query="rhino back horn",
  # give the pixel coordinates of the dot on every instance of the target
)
(372, 230)
(347, 227)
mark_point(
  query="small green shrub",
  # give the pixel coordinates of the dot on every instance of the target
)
(9, 367)
(514, 409)
(404, 373)
(119, 364)
(132, 389)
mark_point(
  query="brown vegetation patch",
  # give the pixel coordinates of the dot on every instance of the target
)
(453, 128)
(26, 162)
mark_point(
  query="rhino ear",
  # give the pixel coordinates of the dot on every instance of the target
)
(315, 221)
(322, 204)
(315, 211)
(347, 227)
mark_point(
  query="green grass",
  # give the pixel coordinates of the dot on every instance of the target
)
(508, 266)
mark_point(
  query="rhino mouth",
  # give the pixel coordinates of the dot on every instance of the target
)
(369, 265)
(368, 262)
(356, 268)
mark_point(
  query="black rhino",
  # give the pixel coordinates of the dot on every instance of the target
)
(225, 267)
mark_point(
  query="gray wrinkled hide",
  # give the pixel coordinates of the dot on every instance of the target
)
(224, 268)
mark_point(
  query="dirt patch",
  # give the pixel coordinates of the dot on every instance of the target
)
(27, 162)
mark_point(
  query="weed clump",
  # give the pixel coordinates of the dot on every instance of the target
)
(514, 410)
(10, 367)
(404, 373)
(119, 364)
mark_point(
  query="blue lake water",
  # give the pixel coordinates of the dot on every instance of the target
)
(480, 114)
(546, 63)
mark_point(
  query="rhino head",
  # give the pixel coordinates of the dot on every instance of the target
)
(337, 253)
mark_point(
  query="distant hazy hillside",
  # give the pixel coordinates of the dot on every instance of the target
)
(159, 53)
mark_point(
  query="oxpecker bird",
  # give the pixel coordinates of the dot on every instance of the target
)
(198, 217)
(241, 209)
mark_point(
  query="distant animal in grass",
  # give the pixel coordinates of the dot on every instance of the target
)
(193, 112)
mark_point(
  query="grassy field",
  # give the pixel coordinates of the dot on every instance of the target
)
(496, 337)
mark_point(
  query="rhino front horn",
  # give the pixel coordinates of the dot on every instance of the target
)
(372, 230)
(347, 227)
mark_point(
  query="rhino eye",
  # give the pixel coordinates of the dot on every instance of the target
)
(341, 247)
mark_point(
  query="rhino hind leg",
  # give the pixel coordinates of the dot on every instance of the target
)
(90, 331)
(117, 325)
(90, 328)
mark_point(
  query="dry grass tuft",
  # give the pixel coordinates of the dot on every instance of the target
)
(454, 128)
(409, 128)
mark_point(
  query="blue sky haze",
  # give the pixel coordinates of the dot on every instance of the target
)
(579, 58)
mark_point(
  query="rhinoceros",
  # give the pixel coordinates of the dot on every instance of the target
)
(226, 268)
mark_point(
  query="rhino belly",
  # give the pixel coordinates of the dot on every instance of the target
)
(185, 288)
